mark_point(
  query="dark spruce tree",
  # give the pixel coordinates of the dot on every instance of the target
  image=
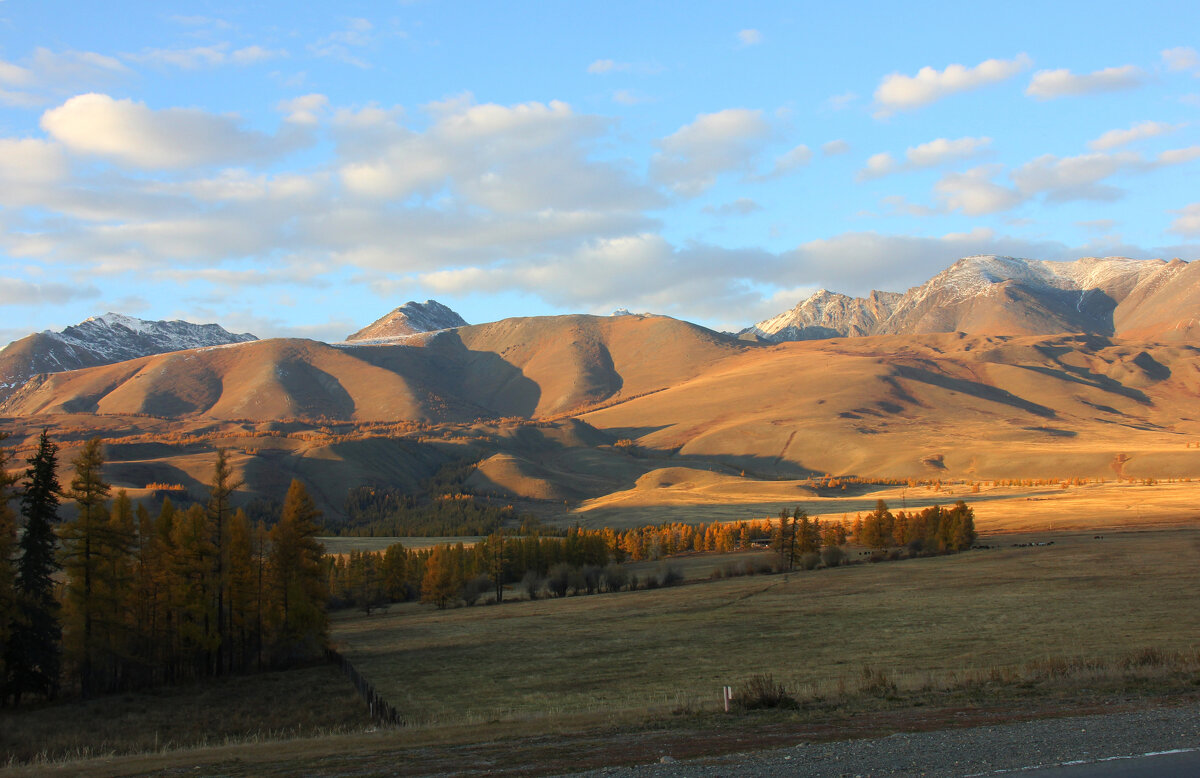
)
(33, 656)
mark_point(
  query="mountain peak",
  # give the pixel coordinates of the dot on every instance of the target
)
(410, 319)
(999, 295)
(103, 340)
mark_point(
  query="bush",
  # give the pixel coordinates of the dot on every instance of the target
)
(559, 579)
(671, 576)
(762, 691)
(475, 588)
(531, 584)
(615, 577)
(832, 556)
(810, 560)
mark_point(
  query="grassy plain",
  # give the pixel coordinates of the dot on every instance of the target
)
(296, 703)
(556, 685)
(706, 497)
(934, 620)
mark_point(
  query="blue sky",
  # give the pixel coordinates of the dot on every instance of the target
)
(300, 171)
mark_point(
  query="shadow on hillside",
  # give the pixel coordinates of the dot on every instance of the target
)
(973, 388)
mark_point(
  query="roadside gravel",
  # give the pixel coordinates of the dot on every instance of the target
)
(956, 752)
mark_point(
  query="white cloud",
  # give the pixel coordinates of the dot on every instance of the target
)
(358, 33)
(835, 147)
(693, 156)
(842, 101)
(936, 152)
(31, 161)
(750, 37)
(899, 92)
(16, 292)
(1115, 138)
(130, 133)
(305, 109)
(207, 56)
(602, 66)
(743, 206)
(1181, 58)
(797, 157)
(877, 166)
(1074, 178)
(46, 72)
(1188, 221)
(1177, 156)
(1097, 225)
(1052, 84)
(629, 97)
(974, 193)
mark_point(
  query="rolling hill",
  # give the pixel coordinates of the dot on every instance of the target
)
(614, 416)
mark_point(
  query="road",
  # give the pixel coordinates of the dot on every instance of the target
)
(1161, 742)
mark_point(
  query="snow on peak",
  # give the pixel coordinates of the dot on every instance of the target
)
(410, 319)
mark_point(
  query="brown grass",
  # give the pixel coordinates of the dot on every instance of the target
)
(649, 652)
(271, 706)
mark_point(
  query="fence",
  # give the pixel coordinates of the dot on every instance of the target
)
(382, 712)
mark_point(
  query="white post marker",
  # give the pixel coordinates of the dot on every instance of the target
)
(727, 694)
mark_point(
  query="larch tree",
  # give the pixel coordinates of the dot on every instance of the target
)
(220, 491)
(33, 658)
(8, 552)
(299, 585)
(85, 547)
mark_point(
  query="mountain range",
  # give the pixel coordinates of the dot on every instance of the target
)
(103, 340)
(996, 368)
(1008, 296)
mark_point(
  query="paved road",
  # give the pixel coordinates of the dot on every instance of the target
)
(1106, 746)
(1170, 764)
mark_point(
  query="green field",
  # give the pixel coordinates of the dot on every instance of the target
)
(921, 621)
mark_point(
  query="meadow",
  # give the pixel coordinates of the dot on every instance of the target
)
(926, 622)
(1088, 622)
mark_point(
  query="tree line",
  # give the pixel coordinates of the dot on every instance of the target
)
(587, 561)
(118, 598)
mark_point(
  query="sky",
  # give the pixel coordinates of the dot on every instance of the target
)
(299, 170)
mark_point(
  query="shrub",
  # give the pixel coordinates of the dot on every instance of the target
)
(531, 584)
(832, 556)
(615, 577)
(559, 579)
(475, 588)
(762, 691)
(810, 560)
(671, 576)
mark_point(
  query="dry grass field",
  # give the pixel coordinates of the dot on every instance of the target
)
(707, 497)
(550, 685)
(935, 620)
(272, 706)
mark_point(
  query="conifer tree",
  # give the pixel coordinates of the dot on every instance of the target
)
(8, 551)
(299, 587)
(85, 543)
(33, 659)
(220, 490)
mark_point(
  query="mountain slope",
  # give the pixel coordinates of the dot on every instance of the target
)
(103, 340)
(529, 368)
(828, 315)
(410, 319)
(997, 295)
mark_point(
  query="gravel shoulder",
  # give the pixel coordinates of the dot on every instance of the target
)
(976, 751)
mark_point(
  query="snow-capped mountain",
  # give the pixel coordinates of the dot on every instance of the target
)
(1011, 296)
(410, 319)
(828, 315)
(103, 340)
